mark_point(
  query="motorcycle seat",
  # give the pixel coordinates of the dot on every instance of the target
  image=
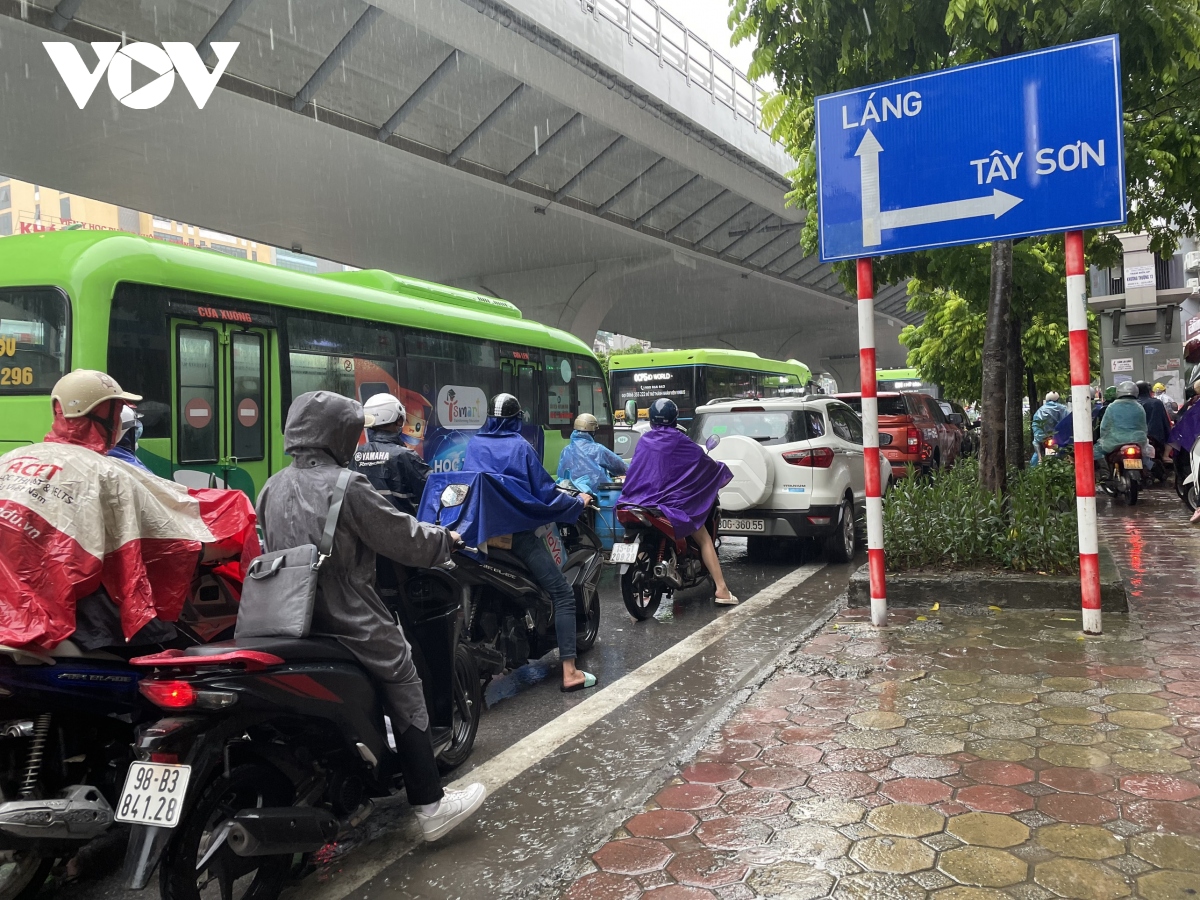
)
(290, 649)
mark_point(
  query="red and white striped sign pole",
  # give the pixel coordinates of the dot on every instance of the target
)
(1081, 404)
(870, 418)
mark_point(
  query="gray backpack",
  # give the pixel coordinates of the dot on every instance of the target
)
(281, 587)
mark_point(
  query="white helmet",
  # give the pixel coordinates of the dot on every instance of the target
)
(1127, 389)
(129, 419)
(386, 408)
(1052, 397)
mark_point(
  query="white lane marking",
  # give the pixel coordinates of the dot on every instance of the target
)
(533, 748)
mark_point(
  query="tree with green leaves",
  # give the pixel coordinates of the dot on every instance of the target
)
(815, 47)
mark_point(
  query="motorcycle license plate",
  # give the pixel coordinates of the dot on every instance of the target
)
(744, 525)
(624, 553)
(1132, 463)
(153, 794)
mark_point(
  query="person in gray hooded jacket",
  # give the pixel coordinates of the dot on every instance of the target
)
(321, 434)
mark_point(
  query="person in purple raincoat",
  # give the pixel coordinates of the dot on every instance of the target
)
(674, 475)
(1184, 436)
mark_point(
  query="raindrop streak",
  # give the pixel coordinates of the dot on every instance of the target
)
(535, 140)
(291, 25)
(271, 33)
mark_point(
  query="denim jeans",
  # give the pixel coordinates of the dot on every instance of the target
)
(532, 551)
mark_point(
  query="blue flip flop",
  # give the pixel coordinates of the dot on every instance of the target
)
(589, 681)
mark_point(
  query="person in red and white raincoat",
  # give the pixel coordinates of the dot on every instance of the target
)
(73, 521)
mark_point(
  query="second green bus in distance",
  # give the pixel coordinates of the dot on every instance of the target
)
(694, 377)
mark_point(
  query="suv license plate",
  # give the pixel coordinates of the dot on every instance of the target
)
(624, 553)
(743, 525)
(1132, 463)
(153, 794)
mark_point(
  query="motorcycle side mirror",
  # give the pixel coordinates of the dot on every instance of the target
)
(631, 411)
(713, 440)
(454, 495)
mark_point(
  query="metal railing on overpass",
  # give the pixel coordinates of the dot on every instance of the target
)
(648, 24)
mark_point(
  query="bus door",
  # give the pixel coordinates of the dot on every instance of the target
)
(221, 404)
(520, 375)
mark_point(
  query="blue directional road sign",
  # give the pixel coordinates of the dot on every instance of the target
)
(1022, 145)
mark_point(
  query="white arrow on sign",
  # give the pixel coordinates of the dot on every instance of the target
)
(874, 221)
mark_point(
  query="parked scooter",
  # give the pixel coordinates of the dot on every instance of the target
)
(511, 617)
(653, 562)
(277, 746)
(1123, 475)
(68, 720)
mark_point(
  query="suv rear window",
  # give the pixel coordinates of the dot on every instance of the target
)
(888, 406)
(767, 427)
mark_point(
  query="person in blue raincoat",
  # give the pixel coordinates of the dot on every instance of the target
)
(499, 449)
(131, 432)
(586, 464)
(1048, 415)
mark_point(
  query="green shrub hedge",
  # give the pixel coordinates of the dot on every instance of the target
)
(949, 521)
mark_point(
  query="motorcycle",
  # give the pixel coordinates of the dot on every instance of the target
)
(1123, 477)
(1187, 470)
(68, 718)
(654, 562)
(276, 746)
(511, 617)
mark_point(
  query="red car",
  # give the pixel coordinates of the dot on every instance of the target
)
(923, 438)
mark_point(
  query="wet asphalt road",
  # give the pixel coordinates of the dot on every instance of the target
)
(543, 815)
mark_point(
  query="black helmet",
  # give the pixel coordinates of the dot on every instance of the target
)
(663, 412)
(1143, 389)
(505, 406)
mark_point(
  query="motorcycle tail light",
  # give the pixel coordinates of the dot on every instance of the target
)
(1133, 451)
(1051, 442)
(169, 694)
(170, 759)
(181, 695)
(817, 458)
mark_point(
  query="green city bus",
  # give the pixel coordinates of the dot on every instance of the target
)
(904, 380)
(218, 347)
(694, 377)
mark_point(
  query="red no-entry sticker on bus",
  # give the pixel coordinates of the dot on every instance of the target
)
(247, 412)
(197, 413)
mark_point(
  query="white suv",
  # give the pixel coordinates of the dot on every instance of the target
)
(797, 468)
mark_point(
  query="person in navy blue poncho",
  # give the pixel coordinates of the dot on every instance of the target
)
(499, 448)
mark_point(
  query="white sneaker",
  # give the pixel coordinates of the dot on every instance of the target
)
(454, 809)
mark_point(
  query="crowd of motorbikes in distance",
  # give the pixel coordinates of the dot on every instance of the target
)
(1128, 469)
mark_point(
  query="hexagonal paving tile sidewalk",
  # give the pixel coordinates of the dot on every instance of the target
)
(957, 755)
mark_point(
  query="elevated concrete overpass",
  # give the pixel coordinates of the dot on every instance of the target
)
(577, 157)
